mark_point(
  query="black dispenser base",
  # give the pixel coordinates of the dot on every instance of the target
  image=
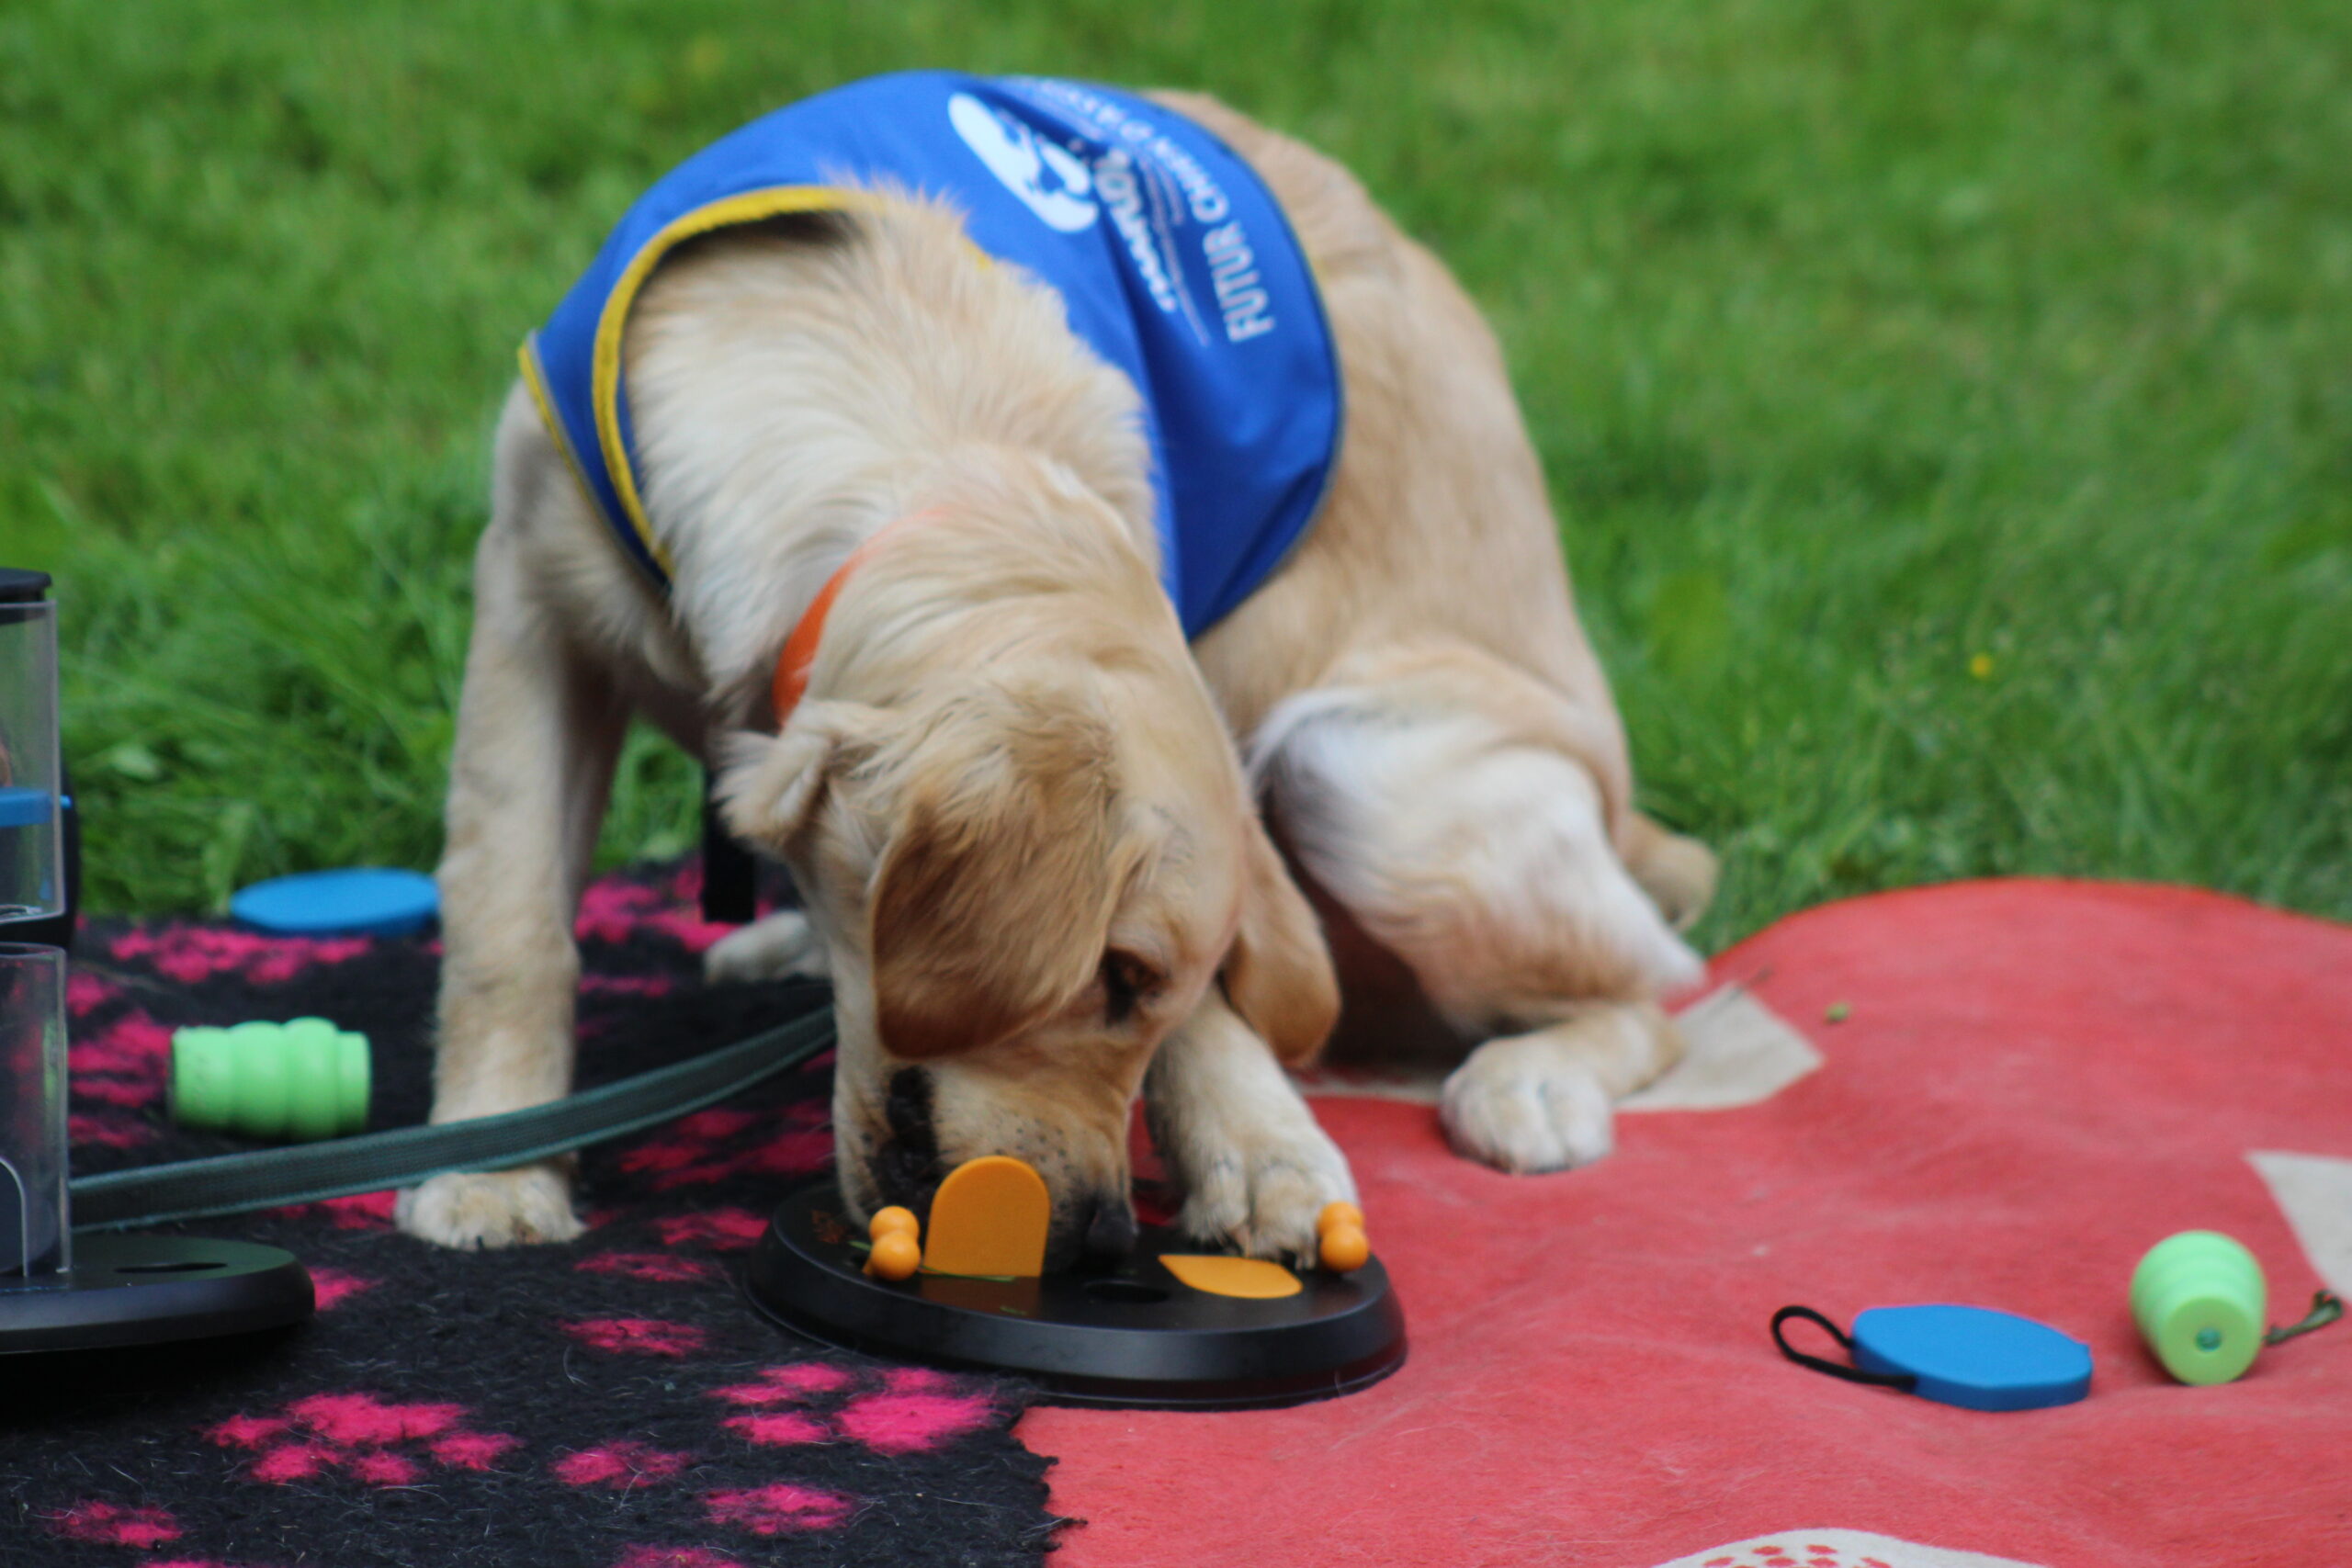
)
(1134, 1336)
(145, 1290)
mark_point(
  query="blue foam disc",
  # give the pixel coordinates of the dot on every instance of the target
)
(361, 901)
(1974, 1356)
(22, 807)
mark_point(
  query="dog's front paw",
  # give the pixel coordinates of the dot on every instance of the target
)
(779, 947)
(1261, 1189)
(1524, 1115)
(496, 1207)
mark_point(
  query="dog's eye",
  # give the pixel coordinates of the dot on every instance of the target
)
(1126, 980)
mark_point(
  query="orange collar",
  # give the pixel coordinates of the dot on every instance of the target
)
(792, 666)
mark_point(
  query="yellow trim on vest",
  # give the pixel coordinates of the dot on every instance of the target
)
(536, 379)
(604, 383)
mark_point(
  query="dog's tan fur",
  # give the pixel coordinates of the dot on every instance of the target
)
(1007, 792)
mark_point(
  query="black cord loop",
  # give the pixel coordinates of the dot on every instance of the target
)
(2327, 1307)
(1903, 1380)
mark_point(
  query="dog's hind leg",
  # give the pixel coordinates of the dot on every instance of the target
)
(1446, 809)
(538, 732)
(1541, 1100)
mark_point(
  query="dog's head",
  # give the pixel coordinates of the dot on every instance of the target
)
(1028, 848)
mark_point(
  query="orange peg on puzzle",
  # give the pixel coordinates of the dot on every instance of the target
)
(1340, 1233)
(896, 1252)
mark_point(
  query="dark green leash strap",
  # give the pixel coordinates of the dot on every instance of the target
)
(304, 1173)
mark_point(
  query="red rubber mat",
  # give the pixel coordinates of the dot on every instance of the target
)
(2030, 1083)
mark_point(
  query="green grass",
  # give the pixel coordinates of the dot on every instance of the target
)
(1861, 339)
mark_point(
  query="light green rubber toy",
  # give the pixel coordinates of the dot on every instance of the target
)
(2200, 1300)
(301, 1080)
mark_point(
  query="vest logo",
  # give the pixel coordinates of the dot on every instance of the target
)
(1054, 185)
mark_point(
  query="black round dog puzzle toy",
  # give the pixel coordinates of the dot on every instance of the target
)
(1169, 1326)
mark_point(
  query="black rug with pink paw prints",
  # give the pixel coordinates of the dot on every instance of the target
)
(611, 1403)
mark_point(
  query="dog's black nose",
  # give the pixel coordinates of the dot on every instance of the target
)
(1111, 1233)
(905, 1166)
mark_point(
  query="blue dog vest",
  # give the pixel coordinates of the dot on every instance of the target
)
(1172, 258)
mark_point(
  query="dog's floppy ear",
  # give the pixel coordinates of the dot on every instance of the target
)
(770, 785)
(1278, 975)
(992, 902)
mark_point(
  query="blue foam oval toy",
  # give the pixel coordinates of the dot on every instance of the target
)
(360, 901)
(1973, 1357)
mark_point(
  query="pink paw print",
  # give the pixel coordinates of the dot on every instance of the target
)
(662, 1268)
(637, 1336)
(780, 1510)
(85, 993)
(626, 985)
(190, 953)
(359, 1211)
(107, 1132)
(914, 1411)
(332, 1287)
(721, 1229)
(711, 1145)
(372, 1439)
(622, 1464)
(614, 911)
(672, 1557)
(114, 1524)
(123, 1064)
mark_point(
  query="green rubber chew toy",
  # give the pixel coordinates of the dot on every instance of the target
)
(2200, 1300)
(301, 1081)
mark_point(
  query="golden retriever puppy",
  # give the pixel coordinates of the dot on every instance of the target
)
(1027, 849)
(1024, 838)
